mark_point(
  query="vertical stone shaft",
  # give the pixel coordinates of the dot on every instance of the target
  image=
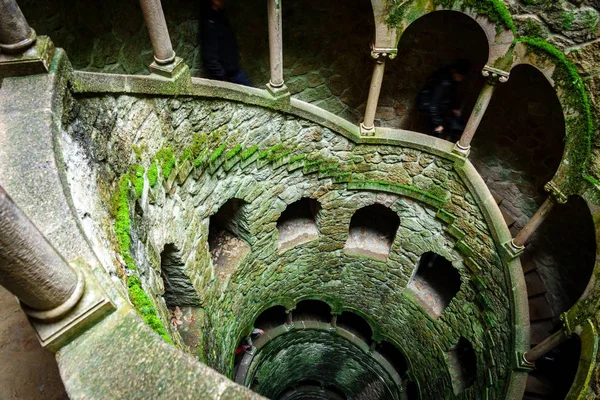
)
(289, 320)
(483, 101)
(30, 267)
(374, 90)
(333, 322)
(15, 33)
(275, 43)
(534, 223)
(545, 346)
(157, 29)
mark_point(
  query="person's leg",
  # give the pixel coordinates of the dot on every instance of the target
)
(241, 78)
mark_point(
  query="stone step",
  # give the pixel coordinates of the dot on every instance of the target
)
(539, 385)
(540, 330)
(539, 309)
(535, 284)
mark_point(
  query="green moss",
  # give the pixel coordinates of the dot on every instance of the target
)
(138, 297)
(185, 155)
(313, 164)
(233, 152)
(197, 145)
(122, 221)
(329, 167)
(138, 150)
(533, 29)
(589, 19)
(567, 18)
(142, 303)
(266, 152)
(544, 3)
(494, 10)
(200, 159)
(249, 152)
(166, 160)
(297, 158)
(424, 193)
(592, 180)
(278, 155)
(153, 174)
(138, 180)
(216, 154)
(396, 10)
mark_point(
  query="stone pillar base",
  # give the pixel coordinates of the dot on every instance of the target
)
(512, 250)
(461, 151)
(366, 131)
(34, 60)
(172, 70)
(521, 363)
(93, 306)
(278, 92)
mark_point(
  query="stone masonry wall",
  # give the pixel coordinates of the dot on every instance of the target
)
(436, 211)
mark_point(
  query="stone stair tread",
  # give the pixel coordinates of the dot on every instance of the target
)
(535, 284)
(539, 385)
(540, 330)
(539, 309)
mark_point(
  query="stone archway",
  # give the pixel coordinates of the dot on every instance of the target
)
(433, 41)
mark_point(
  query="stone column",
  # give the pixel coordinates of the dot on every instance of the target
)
(21, 51)
(15, 33)
(31, 268)
(534, 223)
(333, 322)
(165, 61)
(493, 76)
(289, 320)
(276, 84)
(545, 346)
(367, 127)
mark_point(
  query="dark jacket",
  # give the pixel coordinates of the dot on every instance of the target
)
(220, 55)
(438, 96)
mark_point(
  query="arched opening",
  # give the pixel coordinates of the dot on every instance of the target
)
(463, 365)
(179, 290)
(429, 44)
(336, 391)
(270, 318)
(227, 237)
(355, 324)
(519, 144)
(312, 310)
(558, 264)
(394, 356)
(372, 232)
(298, 223)
(312, 390)
(435, 283)
(412, 391)
(327, 59)
(555, 372)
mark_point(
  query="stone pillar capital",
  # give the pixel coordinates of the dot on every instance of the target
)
(380, 53)
(555, 192)
(495, 75)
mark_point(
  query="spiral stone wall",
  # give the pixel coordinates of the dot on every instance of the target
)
(270, 160)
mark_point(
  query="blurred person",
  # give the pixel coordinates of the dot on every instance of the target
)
(439, 95)
(220, 54)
